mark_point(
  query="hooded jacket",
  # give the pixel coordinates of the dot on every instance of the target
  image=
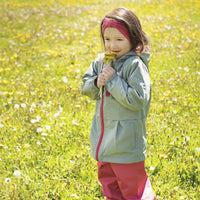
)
(118, 132)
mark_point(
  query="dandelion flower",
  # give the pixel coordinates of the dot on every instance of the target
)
(108, 60)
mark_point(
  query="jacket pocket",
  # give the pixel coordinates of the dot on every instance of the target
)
(119, 138)
(125, 136)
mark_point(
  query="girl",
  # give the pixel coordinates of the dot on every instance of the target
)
(118, 134)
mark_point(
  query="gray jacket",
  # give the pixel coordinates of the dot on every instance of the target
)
(118, 132)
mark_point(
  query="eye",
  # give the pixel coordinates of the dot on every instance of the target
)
(119, 39)
(107, 39)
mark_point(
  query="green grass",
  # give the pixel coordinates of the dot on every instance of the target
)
(45, 48)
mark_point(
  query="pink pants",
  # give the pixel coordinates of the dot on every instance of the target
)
(125, 181)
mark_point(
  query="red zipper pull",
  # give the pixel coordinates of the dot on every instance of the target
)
(107, 93)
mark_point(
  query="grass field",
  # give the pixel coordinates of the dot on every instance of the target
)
(45, 48)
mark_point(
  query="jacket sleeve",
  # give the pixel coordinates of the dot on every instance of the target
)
(134, 93)
(88, 86)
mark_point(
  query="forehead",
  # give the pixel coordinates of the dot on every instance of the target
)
(112, 32)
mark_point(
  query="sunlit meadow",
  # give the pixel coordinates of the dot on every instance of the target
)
(45, 48)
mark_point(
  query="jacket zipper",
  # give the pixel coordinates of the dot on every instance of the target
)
(102, 128)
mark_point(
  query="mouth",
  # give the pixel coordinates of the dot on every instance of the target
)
(117, 52)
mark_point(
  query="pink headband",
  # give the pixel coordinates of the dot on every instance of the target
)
(109, 22)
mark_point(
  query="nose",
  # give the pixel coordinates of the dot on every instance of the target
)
(113, 45)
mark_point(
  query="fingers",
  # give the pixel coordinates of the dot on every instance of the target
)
(101, 81)
(108, 72)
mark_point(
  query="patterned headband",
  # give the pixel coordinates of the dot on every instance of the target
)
(109, 22)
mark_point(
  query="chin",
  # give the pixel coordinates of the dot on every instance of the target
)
(118, 56)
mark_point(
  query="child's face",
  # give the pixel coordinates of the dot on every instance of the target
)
(116, 42)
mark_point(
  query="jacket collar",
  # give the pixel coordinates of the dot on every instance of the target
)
(127, 55)
(144, 56)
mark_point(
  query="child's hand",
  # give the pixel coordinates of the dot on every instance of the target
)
(108, 71)
(101, 81)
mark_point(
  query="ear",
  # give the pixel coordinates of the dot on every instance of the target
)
(138, 48)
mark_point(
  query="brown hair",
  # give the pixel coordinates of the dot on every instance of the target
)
(132, 23)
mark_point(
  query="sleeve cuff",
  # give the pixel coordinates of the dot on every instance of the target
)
(95, 82)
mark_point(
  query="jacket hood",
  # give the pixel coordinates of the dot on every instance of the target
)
(145, 56)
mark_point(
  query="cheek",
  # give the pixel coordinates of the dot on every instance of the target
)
(127, 47)
(106, 45)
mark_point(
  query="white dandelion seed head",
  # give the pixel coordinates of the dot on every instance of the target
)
(151, 168)
(187, 139)
(33, 105)
(44, 134)
(44, 105)
(186, 69)
(39, 143)
(38, 118)
(65, 80)
(7, 180)
(33, 121)
(197, 149)
(56, 114)
(17, 173)
(48, 127)
(16, 106)
(60, 109)
(74, 121)
(39, 130)
(23, 105)
(75, 196)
